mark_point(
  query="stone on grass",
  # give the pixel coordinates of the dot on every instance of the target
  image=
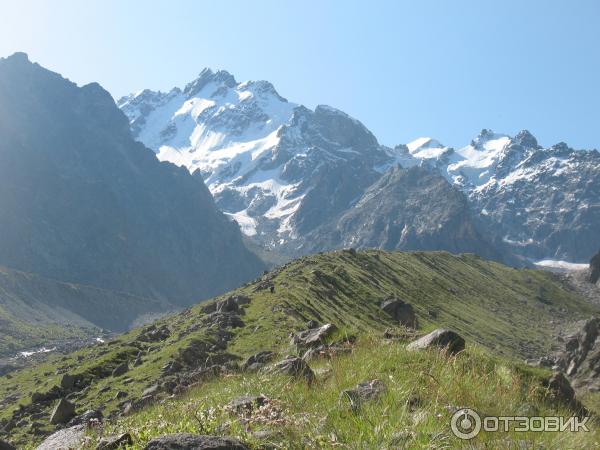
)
(69, 438)
(258, 360)
(114, 442)
(441, 338)
(121, 369)
(400, 311)
(91, 415)
(295, 367)
(67, 381)
(246, 403)
(63, 412)
(187, 441)
(363, 392)
(313, 336)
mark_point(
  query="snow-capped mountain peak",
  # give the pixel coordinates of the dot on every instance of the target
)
(284, 171)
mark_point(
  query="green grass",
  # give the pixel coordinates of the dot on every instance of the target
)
(413, 413)
(510, 313)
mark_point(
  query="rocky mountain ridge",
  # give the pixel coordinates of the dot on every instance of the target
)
(285, 172)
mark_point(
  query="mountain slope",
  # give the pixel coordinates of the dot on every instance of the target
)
(405, 209)
(36, 311)
(514, 313)
(83, 202)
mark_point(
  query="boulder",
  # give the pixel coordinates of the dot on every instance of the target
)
(258, 360)
(222, 320)
(69, 438)
(295, 367)
(560, 388)
(246, 403)
(67, 381)
(400, 311)
(114, 442)
(6, 446)
(91, 415)
(187, 441)
(152, 390)
(365, 391)
(63, 412)
(313, 336)
(121, 369)
(441, 338)
(153, 333)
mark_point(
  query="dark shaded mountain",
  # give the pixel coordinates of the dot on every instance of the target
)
(82, 202)
(595, 268)
(37, 311)
(406, 209)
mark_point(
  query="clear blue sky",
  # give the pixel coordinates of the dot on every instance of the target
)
(444, 69)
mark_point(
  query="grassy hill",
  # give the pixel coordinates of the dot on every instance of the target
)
(508, 313)
(37, 311)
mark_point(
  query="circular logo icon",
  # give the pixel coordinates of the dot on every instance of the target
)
(465, 424)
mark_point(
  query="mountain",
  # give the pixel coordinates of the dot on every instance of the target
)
(410, 209)
(39, 312)
(82, 202)
(543, 203)
(200, 354)
(284, 172)
(287, 174)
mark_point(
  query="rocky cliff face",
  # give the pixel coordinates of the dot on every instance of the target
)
(406, 209)
(83, 202)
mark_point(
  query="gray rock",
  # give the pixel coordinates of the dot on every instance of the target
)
(67, 381)
(441, 338)
(295, 367)
(152, 390)
(186, 441)
(258, 360)
(314, 336)
(365, 391)
(400, 311)
(560, 388)
(121, 369)
(121, 394)
(63, 412)
(222, 320)
(69, 438)
(114, 442)
(91, 415)
(154, 334)
(247, 403)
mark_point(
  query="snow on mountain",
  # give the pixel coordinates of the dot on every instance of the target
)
(258, 153)
(542, 203)
(282, 170)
